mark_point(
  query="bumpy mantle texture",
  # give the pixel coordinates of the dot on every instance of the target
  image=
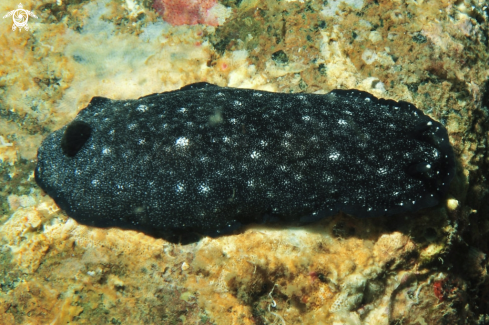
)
(208, 159)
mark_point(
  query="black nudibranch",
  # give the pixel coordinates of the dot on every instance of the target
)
(209, 159)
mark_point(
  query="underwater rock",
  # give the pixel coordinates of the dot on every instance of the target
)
(208, 159)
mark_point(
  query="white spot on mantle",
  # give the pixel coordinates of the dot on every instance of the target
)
(180, 187)
(142, 108)
(181, 142)
(255, 155)
(334, 156)
(204, 188)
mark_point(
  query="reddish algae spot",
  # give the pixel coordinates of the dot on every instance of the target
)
(439, 290)
(186, 12)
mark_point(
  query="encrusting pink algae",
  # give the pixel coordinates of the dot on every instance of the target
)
(186, 12)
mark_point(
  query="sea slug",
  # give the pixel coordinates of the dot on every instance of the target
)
(209, 159)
